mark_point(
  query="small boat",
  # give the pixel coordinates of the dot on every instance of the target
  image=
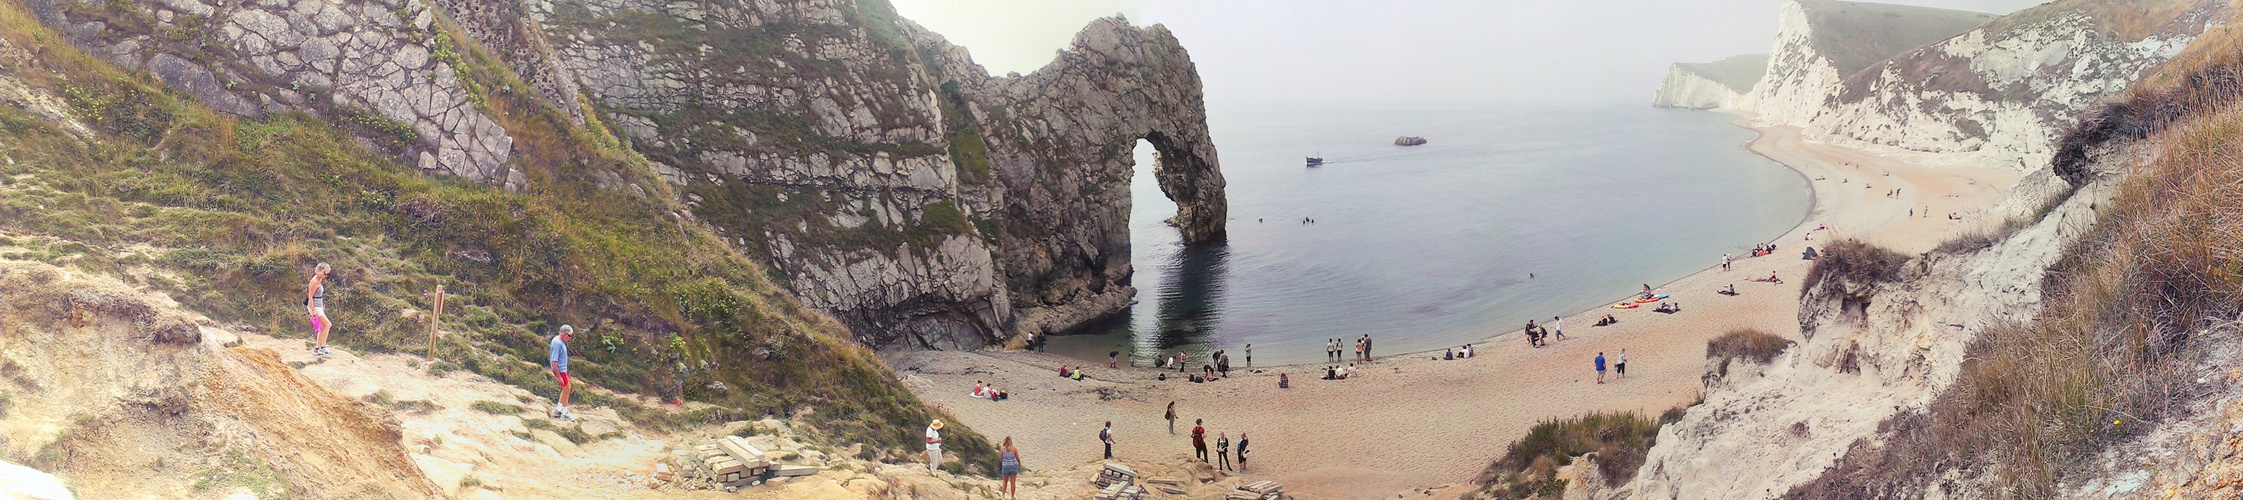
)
(1315, 161)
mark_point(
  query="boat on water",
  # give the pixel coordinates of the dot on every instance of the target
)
(1315, 161)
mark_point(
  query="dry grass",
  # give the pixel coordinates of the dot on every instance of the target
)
(1854, 262)
(1529, 467)
(2111, 354)
(1744, 343)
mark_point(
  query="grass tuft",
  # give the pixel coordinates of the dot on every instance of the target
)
(1852, 262)
(1529, 467)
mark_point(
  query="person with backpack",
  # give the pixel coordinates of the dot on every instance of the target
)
(1107, 436)
(1199, 439)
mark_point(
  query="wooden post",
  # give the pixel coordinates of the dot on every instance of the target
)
(433, 321)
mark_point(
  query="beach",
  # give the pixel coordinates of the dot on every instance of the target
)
(1414, 423)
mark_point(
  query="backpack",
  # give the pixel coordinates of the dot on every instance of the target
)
(1106, 435)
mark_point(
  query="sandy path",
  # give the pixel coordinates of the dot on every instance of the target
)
(1408, 422)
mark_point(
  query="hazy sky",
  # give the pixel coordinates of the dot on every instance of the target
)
(1325, 51)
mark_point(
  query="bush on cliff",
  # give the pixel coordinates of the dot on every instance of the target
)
(227, 215)
(1854, 262)
(1529, 467)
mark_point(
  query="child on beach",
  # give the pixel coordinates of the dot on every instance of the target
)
(1620, 365)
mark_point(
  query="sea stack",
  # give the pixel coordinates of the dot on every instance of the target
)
(1409, 140)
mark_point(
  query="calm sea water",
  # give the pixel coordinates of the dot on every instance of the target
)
(1431, 246)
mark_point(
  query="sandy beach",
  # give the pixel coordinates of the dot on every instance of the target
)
(1412, 423)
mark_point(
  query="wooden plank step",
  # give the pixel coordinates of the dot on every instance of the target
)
(726, 465)
(1171, 491)
(796, 470)
(1169, 482)
(740, 449)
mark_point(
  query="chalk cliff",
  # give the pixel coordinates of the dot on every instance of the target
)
(880, 173)
(1970, 88)
(1720, 84)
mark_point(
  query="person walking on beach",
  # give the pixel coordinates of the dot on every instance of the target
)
(1171, 418)
(1620, 365)
(1223, 451)
(934, 444)
(1242, 452)
(1557, 327)
(1199, 439)
(1008, 466)
(1107, 436)
(315, 306)
(1725, 262)
(1600, 367)
(557, 358)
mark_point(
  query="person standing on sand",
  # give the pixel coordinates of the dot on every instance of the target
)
(1107, 436)
(1557, 327)
(1366, 348)
(1008, 466)
(1332, 350)
(557, 358)
(1199, 439)
(1725, 262)
(1171, 418)
(1113, 359)
(1620, 366)
(315, 305)
(1223, 451)
(1359, 348)
(934, 444)
(1242, 452)
(1249, 355)
(1600, 367)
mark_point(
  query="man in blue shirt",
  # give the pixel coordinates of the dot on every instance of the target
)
(557, 356)
(1600, 368)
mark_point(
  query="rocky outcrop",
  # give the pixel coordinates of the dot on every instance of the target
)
(882, 174)
(1720, 84)
(386, 67)
(891, 180)
(1998, 94)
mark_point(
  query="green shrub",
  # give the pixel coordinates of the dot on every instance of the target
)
(1529, 466)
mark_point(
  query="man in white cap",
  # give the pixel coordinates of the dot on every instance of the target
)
(557, 356)
(934, 444)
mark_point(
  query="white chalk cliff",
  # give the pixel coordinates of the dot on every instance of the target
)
(1715, 85)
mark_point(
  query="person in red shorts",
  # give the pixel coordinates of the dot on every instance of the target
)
(557, 356)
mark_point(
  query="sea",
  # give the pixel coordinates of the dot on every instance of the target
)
(1508, 213)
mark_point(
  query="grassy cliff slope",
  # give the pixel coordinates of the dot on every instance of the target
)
(1855, 35)
(1738, 73)
(228, 215)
